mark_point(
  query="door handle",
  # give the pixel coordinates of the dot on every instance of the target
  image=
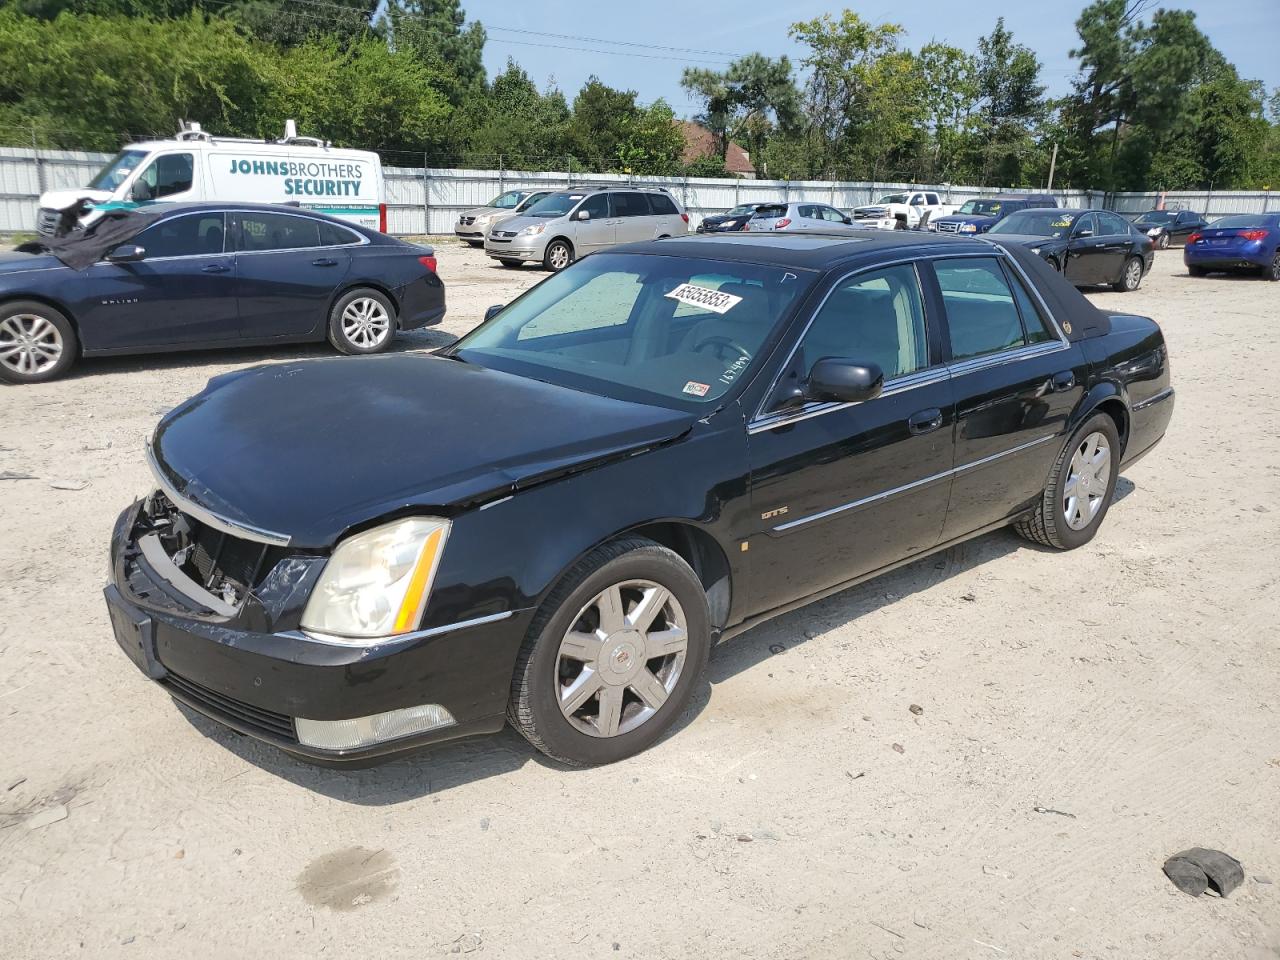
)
(324, 262)
(216, 268)
(1063, 381)
(925, 421)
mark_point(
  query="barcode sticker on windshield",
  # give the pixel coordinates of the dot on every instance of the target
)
(705, 297)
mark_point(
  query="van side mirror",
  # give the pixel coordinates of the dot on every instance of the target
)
(844, 380)
(126, 253)
(584, 214)
(494, 311)
(140, 192)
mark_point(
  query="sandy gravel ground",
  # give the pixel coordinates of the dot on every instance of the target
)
(1083, 717)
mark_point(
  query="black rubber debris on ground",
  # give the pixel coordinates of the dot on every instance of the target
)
(1196, 870)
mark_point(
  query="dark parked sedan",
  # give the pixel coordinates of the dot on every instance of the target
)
(1088, 247)
(193, 275)
(1168, 228)
(1249, 242)
(644, 454)
(730, 220)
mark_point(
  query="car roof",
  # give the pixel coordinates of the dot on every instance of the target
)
(807, 249)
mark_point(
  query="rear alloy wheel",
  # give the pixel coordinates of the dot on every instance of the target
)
(1080, 488)
(1131, 277)
(613, 655)
(558, 256)
(1163, 242)
(1273, 272)
(362, 321)
(37, 343)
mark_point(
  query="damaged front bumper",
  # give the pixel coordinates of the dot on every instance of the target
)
(214, 619)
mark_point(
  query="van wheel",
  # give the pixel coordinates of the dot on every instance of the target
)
(37, 342)
(558, 256)
(362, 321)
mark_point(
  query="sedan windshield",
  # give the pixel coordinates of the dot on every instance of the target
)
(674, 331)
(742, 209)
(1157, 216)
(555, 205)
(983, 207)
(118, 170)
(1038, 223)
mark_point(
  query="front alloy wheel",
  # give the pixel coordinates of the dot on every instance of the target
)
(37, 343)
(558, 256)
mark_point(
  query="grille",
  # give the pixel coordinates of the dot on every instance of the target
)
(217, 555)
(228, 709)
(945, 227)
(466, 221)
(46, 222)
(504, 233)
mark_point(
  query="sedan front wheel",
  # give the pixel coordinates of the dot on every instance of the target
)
(613, 655)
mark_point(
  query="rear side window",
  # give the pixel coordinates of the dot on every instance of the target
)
(630, 205)
(981, 314)
(1111, 225)
(872, 318)
(194, 235)
(1034, 324)
(663, 205)
(277, 231)
(332, 235)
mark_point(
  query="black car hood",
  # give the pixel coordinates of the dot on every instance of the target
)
(311, 449)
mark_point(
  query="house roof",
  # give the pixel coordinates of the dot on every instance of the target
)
(701, 142)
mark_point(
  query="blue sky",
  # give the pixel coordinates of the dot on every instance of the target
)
(1246, 31)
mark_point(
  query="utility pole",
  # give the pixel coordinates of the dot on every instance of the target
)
(1053, 166)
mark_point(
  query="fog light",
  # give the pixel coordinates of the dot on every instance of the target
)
(366, 731)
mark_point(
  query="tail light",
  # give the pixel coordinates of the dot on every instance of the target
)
(428, 262)
(684, 217)
(382, 219)
(1195, 237)
(1253, 234)
(784, 222)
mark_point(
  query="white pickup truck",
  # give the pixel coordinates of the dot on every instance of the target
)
(902, 211)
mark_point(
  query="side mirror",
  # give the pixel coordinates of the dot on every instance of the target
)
(126, 253)
(848, 220)
(584, 214)
(140, 192)
(494, 311)
(848, 381)
(1083, 234)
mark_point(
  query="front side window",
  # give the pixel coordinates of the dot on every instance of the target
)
(675, 331)
(530, 200)
(597, 206)
(193, 235)
(981, 314)
(875, 318)
(169, 174)
(117, 171)
(277, 231)
(1086, 226)
(1111, 225)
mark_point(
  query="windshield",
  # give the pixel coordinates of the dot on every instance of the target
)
(1038, 223)
(554, 205)
(742, 209)
(893, 198)
(530, 200)
(507, 201)
(986, 208)
(1157, 216)
(675, 331)
(118, 170)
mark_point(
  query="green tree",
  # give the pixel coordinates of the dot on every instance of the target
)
(949, 81)
(651, 142)
(602, 120)
(746, 102)
(1012, 102)
(515, 124)
(437, 31)
(287, 24)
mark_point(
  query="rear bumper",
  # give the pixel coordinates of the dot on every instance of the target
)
(422, 303)
(1251, 254)
(1148, 421)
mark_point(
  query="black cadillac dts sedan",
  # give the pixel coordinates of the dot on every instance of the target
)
(552, 521)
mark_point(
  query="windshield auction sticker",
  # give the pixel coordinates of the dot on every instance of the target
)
(696, 388)
(705, 297)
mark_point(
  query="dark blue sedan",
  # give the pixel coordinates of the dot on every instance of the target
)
(1250, 241)
(198, 275)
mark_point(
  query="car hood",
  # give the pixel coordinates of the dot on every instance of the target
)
(61, 199)
(308, 450)
(519, 222)
(11, 262)
(480, 212)
(965, 218)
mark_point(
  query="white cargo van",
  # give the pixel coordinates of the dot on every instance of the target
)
(197, 166)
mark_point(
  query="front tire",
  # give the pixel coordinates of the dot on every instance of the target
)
(37, 342)
(558, 255)
(613, 655)
(1130, 276)
(1080, 488)
(362, 321)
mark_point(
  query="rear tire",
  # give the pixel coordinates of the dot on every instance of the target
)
(362, 321)
(558, 255)
(1197, 271)
(475, 244)
(613, 655)
(37, 342)
(1130, 276)
(1272, 272)
(511, 264)
(1078, 494)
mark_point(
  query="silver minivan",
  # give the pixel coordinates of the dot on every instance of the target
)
(569, 224)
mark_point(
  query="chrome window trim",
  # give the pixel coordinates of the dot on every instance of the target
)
(362, 242)
(762, 421)
(358, 642)
(208, 517)
(183, 256)
(933, 478)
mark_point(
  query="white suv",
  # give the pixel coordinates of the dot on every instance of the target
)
(569, 224)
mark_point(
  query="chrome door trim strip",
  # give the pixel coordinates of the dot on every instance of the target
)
(360, 642)
(208, 517)
(1164, 394)
(921, 378)
(885, 495)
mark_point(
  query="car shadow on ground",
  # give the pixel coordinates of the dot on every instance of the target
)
(407, 341)
(436, 770)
